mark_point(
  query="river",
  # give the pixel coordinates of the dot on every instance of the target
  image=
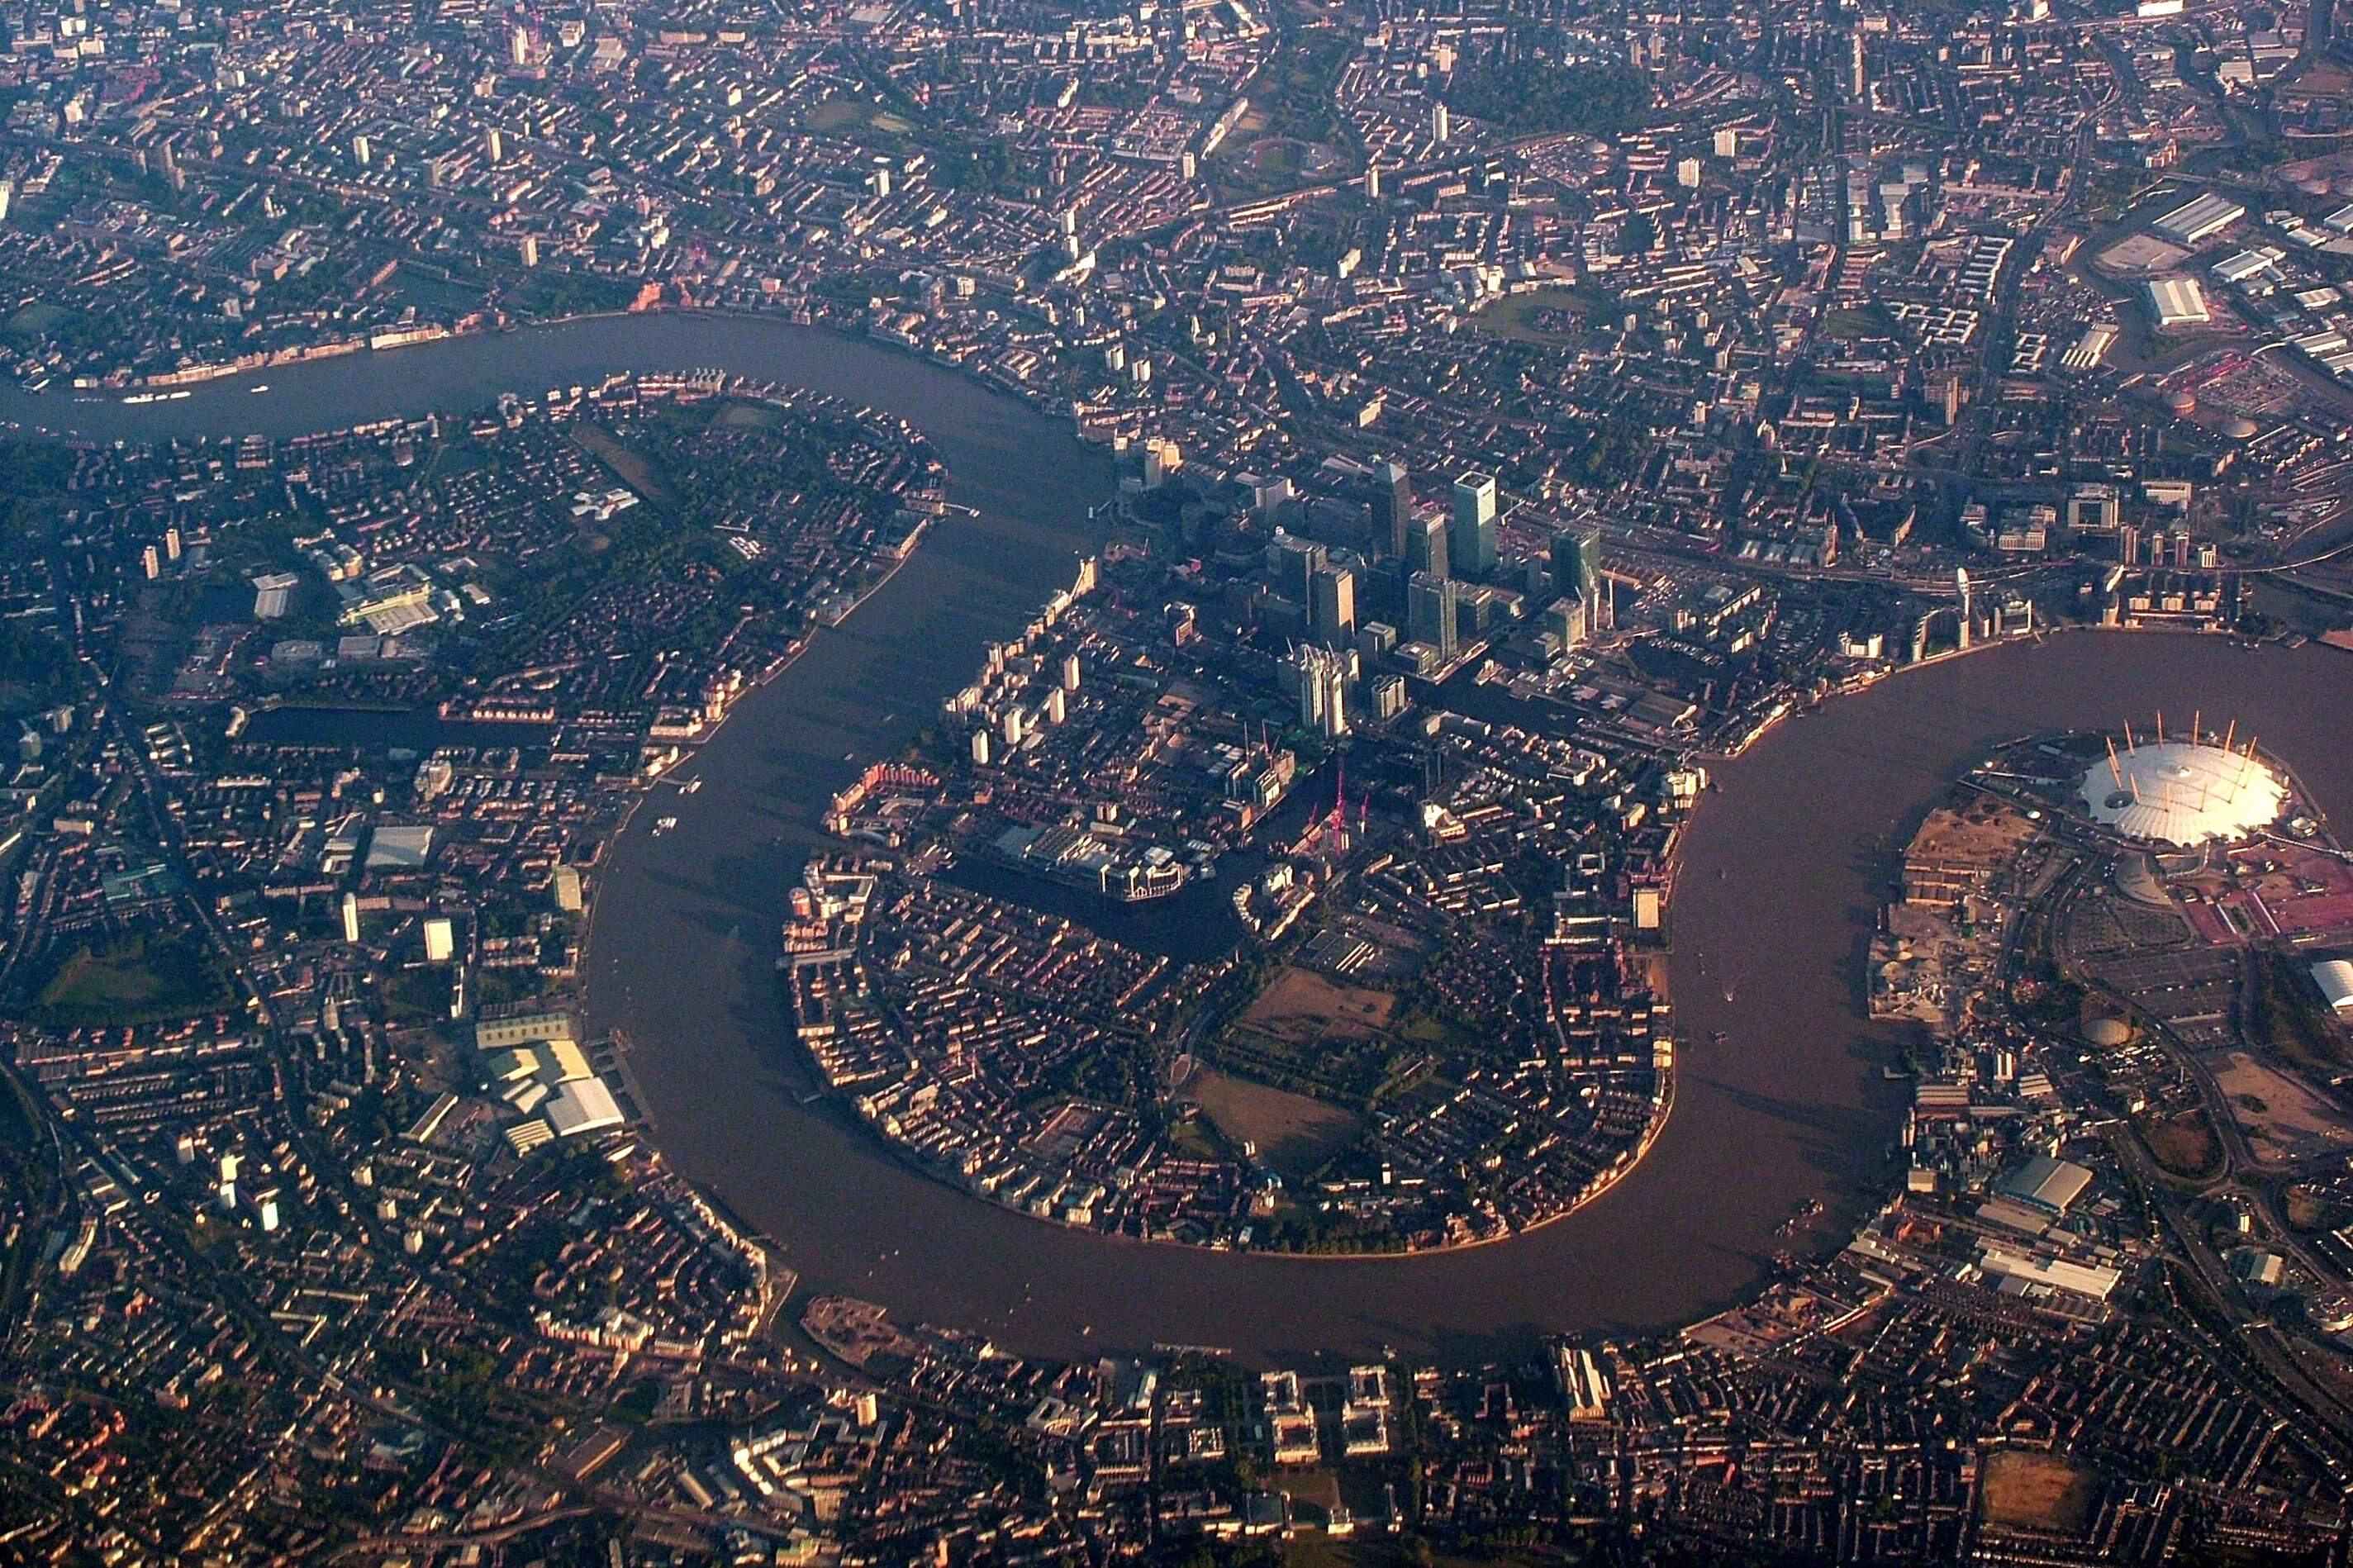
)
(1784, 867)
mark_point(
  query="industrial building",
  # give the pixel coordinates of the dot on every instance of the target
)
(2199, 219)
(2050, 1186)
(2335, 978)
(2178, 302)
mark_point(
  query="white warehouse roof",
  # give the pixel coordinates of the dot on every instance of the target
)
(2335, 978)
(2049, 1184)
(2199, 218)
(2082, 1278)
(2177, 301)
(2183, 793)
(582, 1105)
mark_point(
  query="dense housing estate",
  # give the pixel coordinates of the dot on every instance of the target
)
(1458, 452)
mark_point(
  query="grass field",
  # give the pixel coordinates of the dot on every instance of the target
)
(1292, 106)
(1302, 1006)
(627, 463)
(1293, 1133)
(845, 114)
(2032, 1491)
(1510, 317)
(2184, 1144)
(1845, 325)
(34, 321)
(137, 977)
(1305, 1034)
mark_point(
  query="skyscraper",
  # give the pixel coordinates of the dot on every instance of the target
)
(1425, 547)
(1295, 562)
(1392, 505)
(1332, 605)
(1323, 690)
(1470, 538)
(1429, 612)
(1577, 566)
(1565, 619)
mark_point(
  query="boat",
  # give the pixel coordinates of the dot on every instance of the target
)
(258, 388)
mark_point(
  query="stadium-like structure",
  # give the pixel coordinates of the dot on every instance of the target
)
(2183, 793)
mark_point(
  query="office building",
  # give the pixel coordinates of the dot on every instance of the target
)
(1564, 620)
(1295, 562)
(1392, 506)
(1471, 535)
(1323, 690)
(1431, 612)
(1425, 548)
(1577, 566)
(1332, 605)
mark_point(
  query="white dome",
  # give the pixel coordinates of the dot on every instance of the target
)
(2183, 792)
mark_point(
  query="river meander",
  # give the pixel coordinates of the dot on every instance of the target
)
(1783, 868)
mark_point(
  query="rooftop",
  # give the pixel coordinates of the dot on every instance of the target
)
(2183, 793)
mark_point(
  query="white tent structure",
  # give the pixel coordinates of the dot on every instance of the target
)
(2335, 978)
(2183, 793)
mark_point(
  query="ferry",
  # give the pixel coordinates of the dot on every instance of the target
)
(664, 826)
